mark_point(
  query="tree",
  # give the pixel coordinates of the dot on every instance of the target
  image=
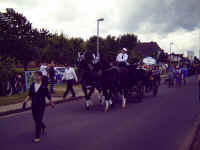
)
(128, 41)
(147, 49)
(6, 73)
(17, 37)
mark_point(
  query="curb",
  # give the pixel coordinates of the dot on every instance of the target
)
(191, 139)
(19, 110)
(194, 133)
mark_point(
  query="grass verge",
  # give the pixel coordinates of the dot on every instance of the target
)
(17, 98)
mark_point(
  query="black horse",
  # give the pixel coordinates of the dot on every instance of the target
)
(89, 77)
(113, 79)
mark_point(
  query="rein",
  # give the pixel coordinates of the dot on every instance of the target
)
(109, 69)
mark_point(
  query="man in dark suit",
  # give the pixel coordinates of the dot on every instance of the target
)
(37, 93)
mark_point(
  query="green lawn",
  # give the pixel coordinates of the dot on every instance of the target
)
(29, 69)
(14, 99)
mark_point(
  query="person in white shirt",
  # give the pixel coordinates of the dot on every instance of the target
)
(122, 57)
(43, 69)
(69, 76)
(95, 59)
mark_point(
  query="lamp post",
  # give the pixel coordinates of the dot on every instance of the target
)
(170, 53)
(98, 20)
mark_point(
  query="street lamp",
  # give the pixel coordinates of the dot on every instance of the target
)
(171, 43)
(98, 20)
(170, 53)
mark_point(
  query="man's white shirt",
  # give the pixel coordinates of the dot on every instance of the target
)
(43, 69)
(122, 57)
(37, 86)
(69, 74)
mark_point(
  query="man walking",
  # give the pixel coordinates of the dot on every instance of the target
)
(52, 76)
(69, 76)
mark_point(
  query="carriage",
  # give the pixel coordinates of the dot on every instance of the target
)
(151, 79)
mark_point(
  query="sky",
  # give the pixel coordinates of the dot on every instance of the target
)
(162, 21)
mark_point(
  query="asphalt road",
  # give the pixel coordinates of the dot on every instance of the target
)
(158, 123)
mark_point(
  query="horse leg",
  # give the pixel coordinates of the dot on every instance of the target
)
(87, 98)
(111, 97)
(124, 97)
(90, 94)
(101, 97)
(107, 104)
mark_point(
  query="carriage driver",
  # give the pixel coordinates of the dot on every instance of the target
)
(122, 57)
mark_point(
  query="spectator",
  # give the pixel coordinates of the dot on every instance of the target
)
(69, 76)
(198, 79)
(44, 70)
(178, 76)
(184, 73)
(171, 72)
(52, 76)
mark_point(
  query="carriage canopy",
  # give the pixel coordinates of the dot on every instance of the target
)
(149, 61)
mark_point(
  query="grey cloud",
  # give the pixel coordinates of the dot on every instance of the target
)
(162, 16)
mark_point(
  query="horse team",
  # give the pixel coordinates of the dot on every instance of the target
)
(113, 79)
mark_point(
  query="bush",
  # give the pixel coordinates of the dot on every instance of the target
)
(6, 73)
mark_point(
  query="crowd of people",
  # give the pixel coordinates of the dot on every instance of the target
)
(177, 75)
(49, 77)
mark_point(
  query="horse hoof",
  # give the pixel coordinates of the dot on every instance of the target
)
(87, 108)
(106, 110)
(112, 105)
(123, 105)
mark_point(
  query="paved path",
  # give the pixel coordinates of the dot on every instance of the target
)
(158, 123)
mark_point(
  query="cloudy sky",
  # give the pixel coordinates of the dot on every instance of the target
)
(163, 21)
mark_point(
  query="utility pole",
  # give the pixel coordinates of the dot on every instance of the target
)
(98, 20)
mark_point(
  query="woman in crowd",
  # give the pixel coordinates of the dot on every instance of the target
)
(37, 93)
